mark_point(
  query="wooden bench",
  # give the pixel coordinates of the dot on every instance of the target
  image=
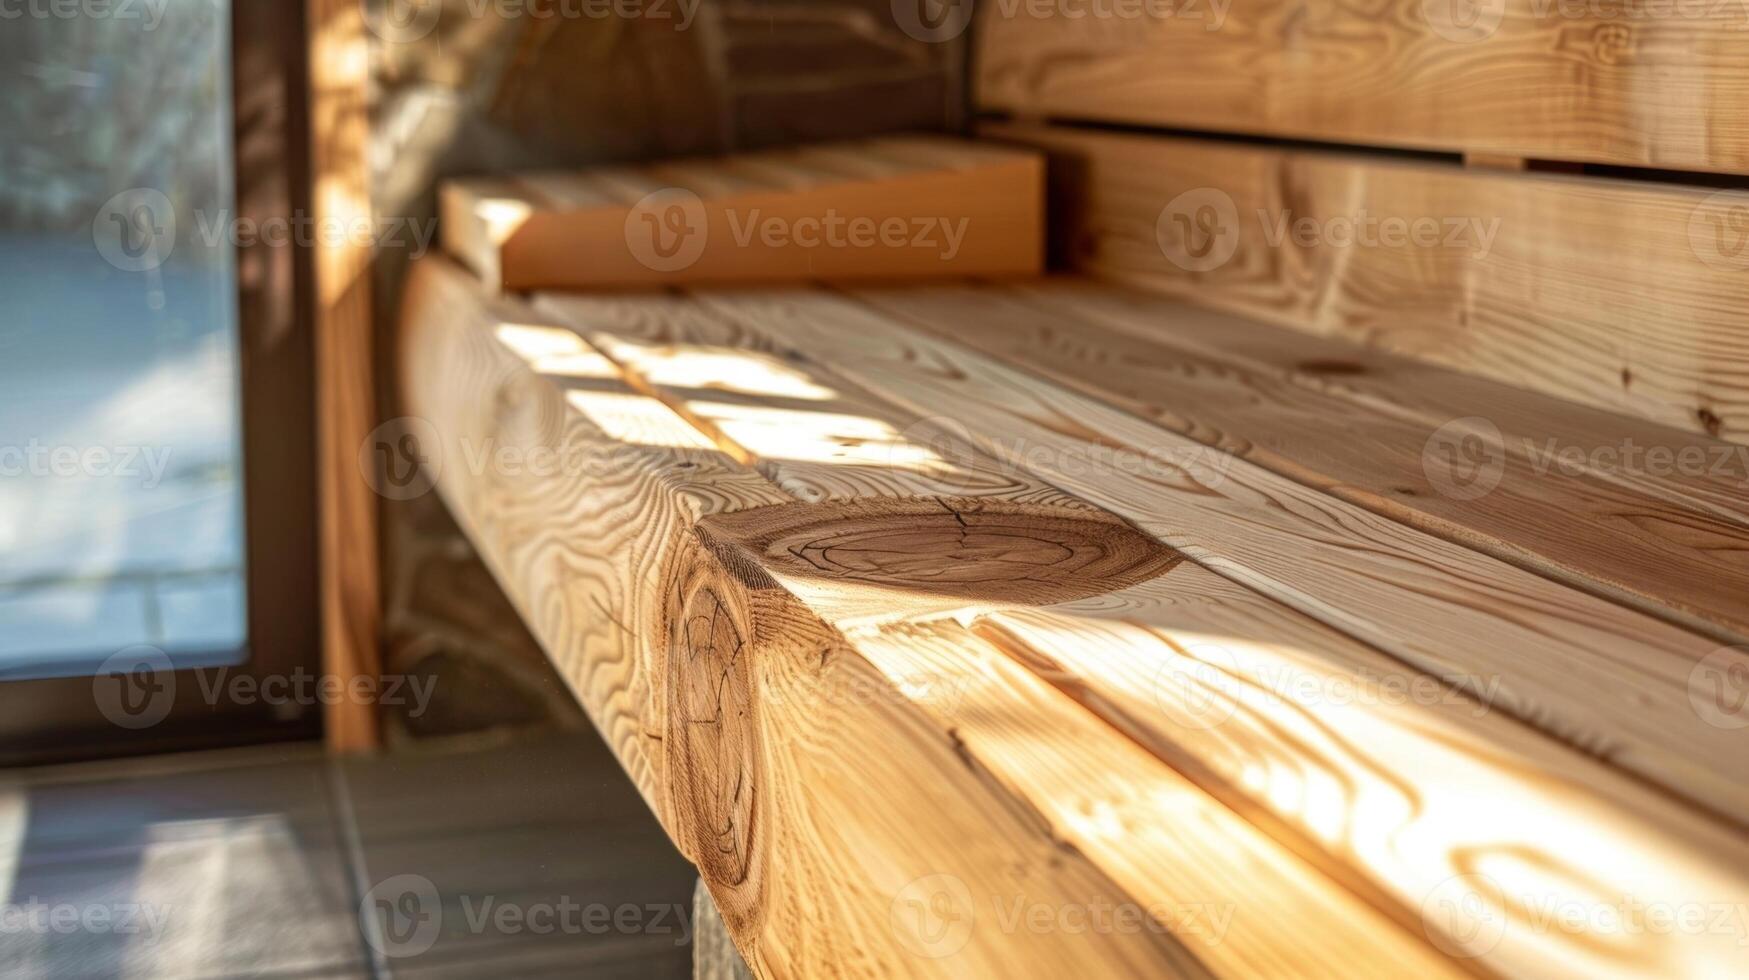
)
(1242, 603)
(1065, 614)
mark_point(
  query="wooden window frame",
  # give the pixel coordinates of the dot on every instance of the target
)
(60, 720)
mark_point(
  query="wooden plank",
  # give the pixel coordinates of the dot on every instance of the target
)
(1409, 389)
(1412, 795)
(1229, 383)
(979, 512)
(1235, 894)
(968, 212)
(1607, 680)
(1623, 296)
(1363, 770)
(1640, 85)
(349, 577)
(693, 605)
(803, 425)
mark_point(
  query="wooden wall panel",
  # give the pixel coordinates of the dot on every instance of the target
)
(1610, 81)
(1627, 296)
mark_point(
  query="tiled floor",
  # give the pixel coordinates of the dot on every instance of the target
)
(531, 859)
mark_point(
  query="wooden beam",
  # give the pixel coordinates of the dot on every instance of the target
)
(1624, 296)
(1287, 721)
(346, 411)
(867, 787)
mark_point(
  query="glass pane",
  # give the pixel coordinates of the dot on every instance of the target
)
(120, 442)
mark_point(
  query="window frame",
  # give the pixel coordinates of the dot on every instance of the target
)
(60, 720)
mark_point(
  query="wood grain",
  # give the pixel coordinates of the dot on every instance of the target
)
(1235, 385)
(1623, 296)
(1406, 388)
(349, 575)
(804, 425)
(1606, 680)
(1646, 85)
(1411, 794)
(699, 610)
(890, 544)
(1331, 773)
(952, 212)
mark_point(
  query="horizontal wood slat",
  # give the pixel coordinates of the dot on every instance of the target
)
(1661, 85)
(1608, 680)
(1628, 297)
(1262, 393)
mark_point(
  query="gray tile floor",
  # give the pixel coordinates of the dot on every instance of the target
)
(530, 859)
